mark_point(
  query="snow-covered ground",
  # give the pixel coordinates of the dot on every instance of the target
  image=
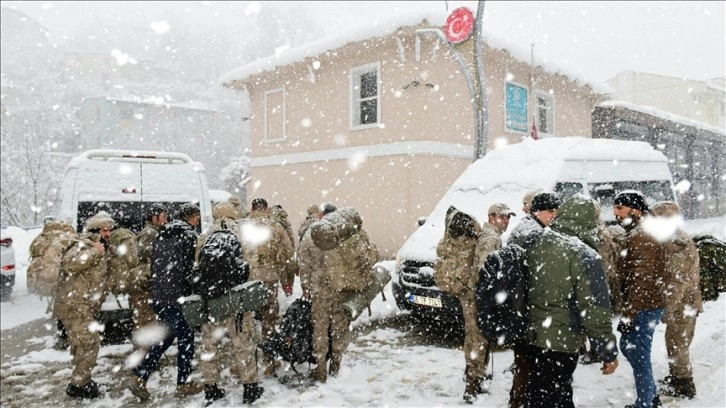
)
(382, 367)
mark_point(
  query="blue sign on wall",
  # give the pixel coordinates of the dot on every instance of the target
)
(516, 108)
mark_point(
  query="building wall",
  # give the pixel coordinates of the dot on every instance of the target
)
(322, 159)
(210, 136)
(704, 101)
(695, 154)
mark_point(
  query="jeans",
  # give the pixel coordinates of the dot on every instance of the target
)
(636, 347)
(171, 316)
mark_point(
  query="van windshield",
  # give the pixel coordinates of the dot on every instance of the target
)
(658, 190)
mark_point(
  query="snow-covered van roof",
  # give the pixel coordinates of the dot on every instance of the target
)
(135, 156)
(506, 173)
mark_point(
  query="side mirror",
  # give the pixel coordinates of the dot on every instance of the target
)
(421, 221)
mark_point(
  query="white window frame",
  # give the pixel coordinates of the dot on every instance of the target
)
(550, 108)
(355, 100)
(276, 138)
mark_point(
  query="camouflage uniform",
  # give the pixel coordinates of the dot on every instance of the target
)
(80, 294)
(266, 246)
(608, 249)
(291, 268)
(334, 275)
(240, 329)
(46, 253)
(475, 345)
(140, 297)
(683, 304)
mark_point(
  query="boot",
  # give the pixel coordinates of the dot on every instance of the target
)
(86, 391)
(472, 390)
(667, 380)
(335, 366)
(212, 393)
(188, 388)
(252, 393)
(680, 388)
(319, 374)
(137, 386)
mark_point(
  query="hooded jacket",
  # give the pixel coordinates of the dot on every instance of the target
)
(568, 293)
(172, 259)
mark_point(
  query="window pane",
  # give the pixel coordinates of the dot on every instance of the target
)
(368, 112)
(368, 85)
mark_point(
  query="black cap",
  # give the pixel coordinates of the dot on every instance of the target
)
(154, 210)
(545, 200)
(633, 199)
(188, 210)
(259, 204)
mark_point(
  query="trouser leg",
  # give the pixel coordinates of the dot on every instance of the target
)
(84, 346)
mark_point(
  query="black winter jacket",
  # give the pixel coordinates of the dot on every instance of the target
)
(172, 259)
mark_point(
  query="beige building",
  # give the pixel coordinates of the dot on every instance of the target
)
(383, 121)
(704, 101)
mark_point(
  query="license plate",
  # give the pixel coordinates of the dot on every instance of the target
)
(426, 301)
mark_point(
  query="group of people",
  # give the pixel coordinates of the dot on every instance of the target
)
(331, 253)
(580, 274)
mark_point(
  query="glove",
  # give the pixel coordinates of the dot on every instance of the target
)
(287, 288)
(626, 325)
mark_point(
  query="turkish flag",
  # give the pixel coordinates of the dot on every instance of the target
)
(534, 131)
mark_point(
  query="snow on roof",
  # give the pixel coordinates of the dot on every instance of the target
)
(381, 28)
(650, 110)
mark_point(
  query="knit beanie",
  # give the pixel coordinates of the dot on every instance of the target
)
(99, 221)
(633, 199)
(545, 200)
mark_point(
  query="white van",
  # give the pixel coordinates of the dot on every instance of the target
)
(599, 168)
(122, 183)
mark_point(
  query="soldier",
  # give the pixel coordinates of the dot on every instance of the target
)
(476, 347)
(140, 295)
(172, 259)
(291, 269)
(240, 327)
(348, 259)
(239, 211)
(309, 256)
(81, 287)
(682, 307)
(313, 215)
(46, 253)
(266, 246)
(527, 199)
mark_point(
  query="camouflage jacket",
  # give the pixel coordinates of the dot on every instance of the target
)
(82, 281)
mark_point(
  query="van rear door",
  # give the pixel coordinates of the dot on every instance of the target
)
(114, 187)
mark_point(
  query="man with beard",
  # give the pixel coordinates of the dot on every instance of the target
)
(81, 285)
(643, 275)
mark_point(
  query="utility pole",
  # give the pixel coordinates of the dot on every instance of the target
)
(481, 103)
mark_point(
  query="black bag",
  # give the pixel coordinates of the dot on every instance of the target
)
(221, 266)
(501, 297)
(293, 342)
(712, 261)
